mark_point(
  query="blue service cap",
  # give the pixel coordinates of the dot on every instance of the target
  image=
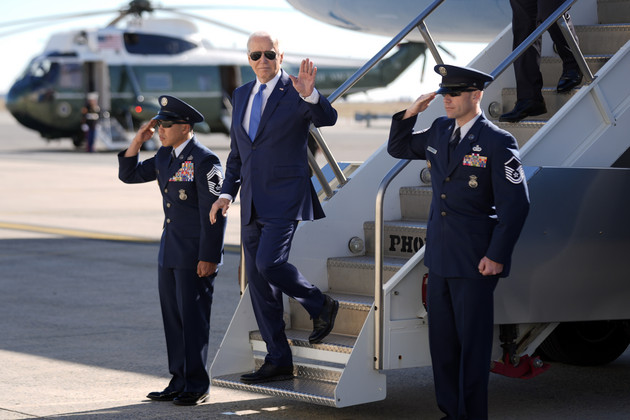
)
(457, 79)
(174, 109)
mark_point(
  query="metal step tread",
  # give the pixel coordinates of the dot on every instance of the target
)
(398, 223)
(299, 388)
(521, 124)
(367, 262)
(416, 189)
(603, 27)
(299, 338)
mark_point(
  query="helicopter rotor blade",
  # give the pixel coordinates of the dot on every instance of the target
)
(211, 21)
(65, 16)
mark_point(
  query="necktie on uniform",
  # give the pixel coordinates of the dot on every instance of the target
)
(452, 144)
(254, 116)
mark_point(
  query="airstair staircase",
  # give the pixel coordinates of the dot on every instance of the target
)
(338, 253)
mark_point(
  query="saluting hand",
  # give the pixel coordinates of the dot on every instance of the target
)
(419, 105)
(144, 134)
(304, 83)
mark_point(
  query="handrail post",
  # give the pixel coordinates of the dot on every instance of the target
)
(378, 261)
(575, 48)
(428, 39)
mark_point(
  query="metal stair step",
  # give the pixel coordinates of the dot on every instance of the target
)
(353, 310)
(551, 67)
(522, 131)
(403, 238)
(553, 100)
(334, 348)
(310, 384)
(356, 274)
(602, 39)
(613, 11)
(415, 202)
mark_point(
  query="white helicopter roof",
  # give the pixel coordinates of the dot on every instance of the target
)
(168, 41)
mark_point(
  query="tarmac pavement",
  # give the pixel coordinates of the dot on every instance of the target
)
(80, 328)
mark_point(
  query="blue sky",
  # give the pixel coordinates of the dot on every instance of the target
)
(298, 33)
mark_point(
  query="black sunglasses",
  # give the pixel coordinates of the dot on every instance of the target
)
(458, 92)
(168, 124)
(255, 56)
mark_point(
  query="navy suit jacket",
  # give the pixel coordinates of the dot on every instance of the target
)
(272, 171)
(189, 186)
(480, 198)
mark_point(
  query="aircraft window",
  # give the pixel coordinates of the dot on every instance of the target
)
(158, 81)
(156, 44)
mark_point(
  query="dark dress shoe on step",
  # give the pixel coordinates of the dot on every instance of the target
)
(166, 395)
(268, 373)
(524, 109)
(324, 323)
(569, 80)
(190, 398)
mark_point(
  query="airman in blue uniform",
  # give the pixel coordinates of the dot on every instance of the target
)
(479, 205)
(189, 176)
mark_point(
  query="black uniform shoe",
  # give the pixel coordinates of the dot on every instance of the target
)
(324, 323)
(190, 398)
(268, 373)
(569, 80)
(523, 109)
(166, 395)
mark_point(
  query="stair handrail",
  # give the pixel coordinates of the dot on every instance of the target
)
(379, 245)
(347, 85)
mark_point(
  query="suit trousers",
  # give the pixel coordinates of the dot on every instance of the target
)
(186, 300)
(526, 16)
(267, 243)
(461, 318)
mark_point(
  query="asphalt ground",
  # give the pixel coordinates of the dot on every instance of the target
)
(80, 329)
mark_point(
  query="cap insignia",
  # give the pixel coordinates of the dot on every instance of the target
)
(442, 71)
(164, 101)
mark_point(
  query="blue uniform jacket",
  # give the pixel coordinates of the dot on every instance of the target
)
(480, 199)
(189, 185)
(272, 171)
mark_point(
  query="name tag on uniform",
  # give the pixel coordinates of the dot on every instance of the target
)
(475, 160)
(185, 174)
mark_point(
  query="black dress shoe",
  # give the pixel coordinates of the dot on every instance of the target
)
(523, 109)
(569, 80)
(324, 323)
(166, 395)
(190, 398)
(268, 373)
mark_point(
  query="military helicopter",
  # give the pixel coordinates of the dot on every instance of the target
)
(137, 57)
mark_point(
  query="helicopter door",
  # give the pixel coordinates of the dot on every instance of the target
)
(230, 80)
(97, 80)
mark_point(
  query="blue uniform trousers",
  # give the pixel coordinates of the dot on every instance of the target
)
(186, 300)
(267, 243)
(461, 317)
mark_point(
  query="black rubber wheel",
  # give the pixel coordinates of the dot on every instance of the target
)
(586, 343)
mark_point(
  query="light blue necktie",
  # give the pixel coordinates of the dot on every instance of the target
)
(254, 116)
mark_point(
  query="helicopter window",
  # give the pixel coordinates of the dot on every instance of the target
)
(156, 44)
(158, 81)
(71, 75)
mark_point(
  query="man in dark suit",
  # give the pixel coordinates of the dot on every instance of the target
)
(268, 162)
(526, 16)
(480, 202)
(189, 176)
